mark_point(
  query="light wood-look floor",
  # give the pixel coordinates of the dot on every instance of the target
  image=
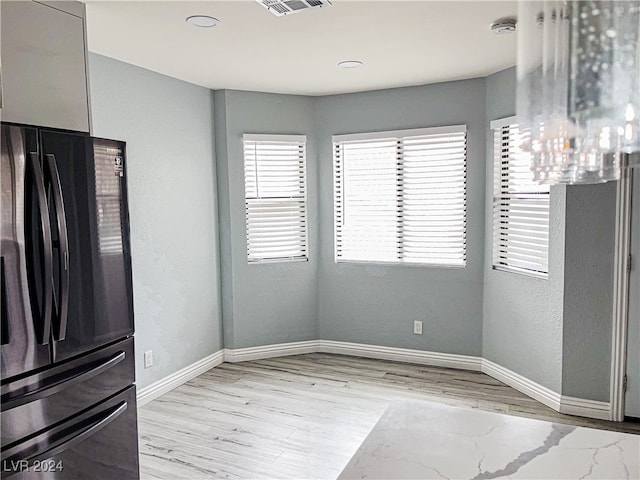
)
(303, 416)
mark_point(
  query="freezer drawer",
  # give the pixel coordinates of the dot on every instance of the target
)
(99, 444)
(44, 399)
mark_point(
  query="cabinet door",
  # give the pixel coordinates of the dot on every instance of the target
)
(44, 76)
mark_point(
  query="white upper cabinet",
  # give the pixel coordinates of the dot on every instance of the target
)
(44, 64)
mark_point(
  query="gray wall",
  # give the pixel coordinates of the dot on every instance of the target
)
(168, 127)
(555, 332)
(377, 304)
(522, 320)
(224, 216)
(588, 290)
(273, 302)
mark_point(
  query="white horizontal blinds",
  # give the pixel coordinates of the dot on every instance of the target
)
(520, 208)
(275, 201)
(434, 202)
(400, 197)
(367, 209)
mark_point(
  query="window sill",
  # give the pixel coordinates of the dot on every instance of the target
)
(400, 264)
(278, 260)
(523, 272)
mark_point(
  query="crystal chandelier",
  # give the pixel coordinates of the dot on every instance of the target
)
(578, 90)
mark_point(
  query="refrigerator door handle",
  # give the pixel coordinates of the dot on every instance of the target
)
(57, 440)
(60, 329)
(43, 333)
(4, 334)
(56, 384)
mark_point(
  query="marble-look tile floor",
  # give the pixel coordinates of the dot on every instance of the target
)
(428, 440)
(303, 416)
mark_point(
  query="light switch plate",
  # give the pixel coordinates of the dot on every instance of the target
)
(148, 359)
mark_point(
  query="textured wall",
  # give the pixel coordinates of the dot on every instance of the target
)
(588, 290)
(273, 302)
(377, 304)
(168, 127)
(224, 216)
(555, 332)
(522, 326)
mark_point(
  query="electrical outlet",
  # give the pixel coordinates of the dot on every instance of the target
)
(148, 359)
(417, 327)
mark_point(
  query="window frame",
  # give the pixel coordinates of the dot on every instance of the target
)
(497, 160)
(399, 134)
(277, 138)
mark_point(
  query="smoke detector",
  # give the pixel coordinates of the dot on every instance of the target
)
(504, 26)
(284, 7)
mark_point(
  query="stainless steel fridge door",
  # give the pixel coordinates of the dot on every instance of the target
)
(93, 302)
(26, 254)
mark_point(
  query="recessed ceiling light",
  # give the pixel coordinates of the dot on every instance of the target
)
(504, 26)
(204, 21)
(350, 64)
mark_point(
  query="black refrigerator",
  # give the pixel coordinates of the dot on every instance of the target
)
(68, 405)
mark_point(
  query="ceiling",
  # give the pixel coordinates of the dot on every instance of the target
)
(400, 42)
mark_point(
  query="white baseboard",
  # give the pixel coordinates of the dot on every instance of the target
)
(436, 359)
(269, 351)
(449, 360)
(168, 383)
(546, 396)
(585, 408)
(534, 390)
(560, 403)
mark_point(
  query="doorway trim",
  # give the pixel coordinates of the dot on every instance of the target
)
(620, 295)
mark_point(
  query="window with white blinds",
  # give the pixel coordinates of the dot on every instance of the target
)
(520, 206)
(275, 198)
(400, 197)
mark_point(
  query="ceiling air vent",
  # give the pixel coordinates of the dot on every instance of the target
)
(285, 7)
